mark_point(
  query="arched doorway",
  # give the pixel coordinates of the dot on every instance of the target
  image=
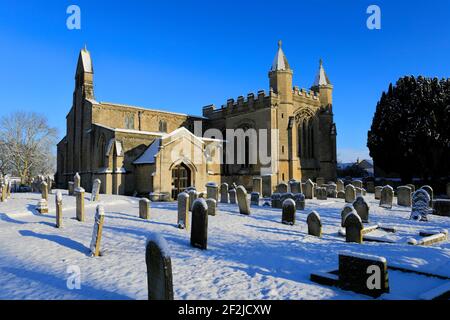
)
(181, 179)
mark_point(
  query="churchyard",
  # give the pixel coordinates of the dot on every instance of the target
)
(323, 241)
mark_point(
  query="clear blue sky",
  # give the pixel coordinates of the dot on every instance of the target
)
(182, 55)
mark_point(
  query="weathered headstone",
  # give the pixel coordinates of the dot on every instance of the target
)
(243, 201)
(254, 199)
(276, 200)
(341, 195)
(340, 185)
(193, 195)
(309, 189)
(362, 208)
(363, 274)
(346, 210)
(71, 188)
(350, 193)
(59, 209)
(183, 210)
(320, 181)
(224, 193)
(370, 186)
(288, 213)
(232, 194)
(287, 195)
(357, 184)
(159, 269)
(199, 227)
(44, 190)
(295, 186)
(420, 205)
(321, 193)
(76, 182)
(332, 190)
(42, 206)
(282, 187)
(144, 208)
(387, 197)
(95, 195)
(97, 231)
(404, 196)
(299, 199)
(353, 228)
(314, 224)
(212, 206)
(212, 191)
(79, 193)
(257, 185)
(378, 193)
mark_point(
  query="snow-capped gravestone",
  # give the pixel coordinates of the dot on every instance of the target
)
(199, 227)
(387, 197)
(183, 211)
(44, 190)
(76, 182)
(79, 193)
(212, 191)
(309, 189)
(362, 208)
(346, 210)
(95, 195)
(363, 274)
(378, 193)
(243, 201)
(299, 199)
(212, 206)
(254, 199)
(97, 231)
(193, 195)
(295, 186)
(340, 185)
(59, 207)
(42, 206)
(357, 184)
(144, 209)
(420, 205)
(224, 193)
(404, 196)
(159, 269)
(232, 194)
(314, 224)
(350, 193)
(282, 187)
(288, 213)
(430, 193)
(71, 187)
(332, 190)
(321, 193)
(257, 185)
(353, 228)
(276, 200)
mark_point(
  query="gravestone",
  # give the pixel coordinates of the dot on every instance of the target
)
(321, 193)
(183, 211)
(314, 224)
(232, 194)
(76, 182)
(254, 199)
(363, 274)
(159, 269)
(212, 206)
(144, 208)
(299, 199)
(341, 195)
(420, 205)
(320, 181)
(309, 189)
(288, 214)
(267, 185)
(193, 195)
(387, 197)
(441, 207)
(378, 193)
(285, 196)
(42, 206)
(295, 186)
(224, 193)
(276, 200)
(353, 228)
(331, 190)
(340, 185)
(412, 186)
(212, 191)
(70, 187)
(79, 193)
(243, 201)
(362, 208)
(350, 193)
(370, 186)
(357, 184)
(199, 227)
(359, 191)
(59, 213)
(346, 210)
(95, 195)
(430, 193)
(97, 231)
(404, 196)
(282, 187)
(44, 190)
(257, 185)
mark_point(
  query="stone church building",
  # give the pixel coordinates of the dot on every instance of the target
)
(135, 150)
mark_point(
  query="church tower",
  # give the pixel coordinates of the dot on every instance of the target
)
(280, 76)
(323, 86)
(84, 76)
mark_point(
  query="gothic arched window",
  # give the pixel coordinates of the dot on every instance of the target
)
(305, 134)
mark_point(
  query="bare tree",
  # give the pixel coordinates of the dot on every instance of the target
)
(27, 143)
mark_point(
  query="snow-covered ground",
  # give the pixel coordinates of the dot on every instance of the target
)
(248, 257)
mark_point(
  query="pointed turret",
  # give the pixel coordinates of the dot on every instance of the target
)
(323, 86)
(280, 75)
(84, 76)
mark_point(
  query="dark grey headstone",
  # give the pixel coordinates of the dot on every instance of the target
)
(288, 215)
(362, 208)
(254, 199)
(276, 200)
(314, 224)
(353, 228)
(199, 224)
(299, 199)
